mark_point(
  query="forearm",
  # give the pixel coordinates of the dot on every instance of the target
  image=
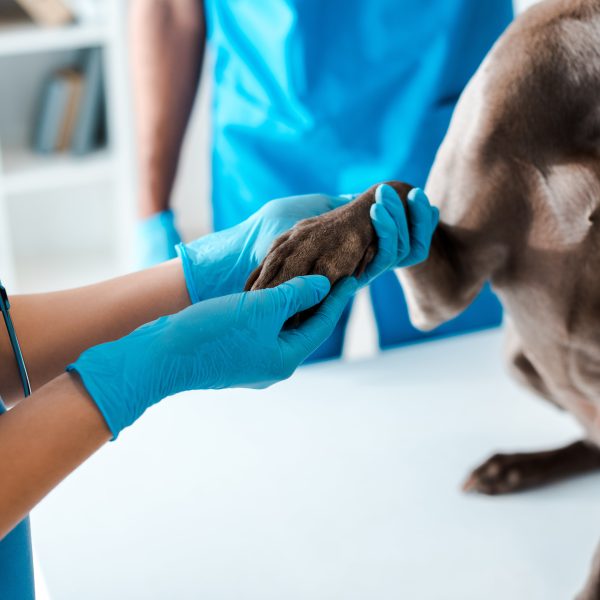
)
(167, 47)
(55, 328)
(42, 441)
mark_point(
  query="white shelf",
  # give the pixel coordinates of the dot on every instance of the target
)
(28, 53)
(26, 171)
(55, 271)
(27, 38)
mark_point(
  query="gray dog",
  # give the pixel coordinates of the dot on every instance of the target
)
(517, 182)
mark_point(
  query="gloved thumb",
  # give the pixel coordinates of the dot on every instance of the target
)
(301, 293)
(304, 340)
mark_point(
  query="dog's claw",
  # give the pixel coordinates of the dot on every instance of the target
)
(468, 485)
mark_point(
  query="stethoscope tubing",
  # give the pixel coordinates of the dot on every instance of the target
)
(14, 341)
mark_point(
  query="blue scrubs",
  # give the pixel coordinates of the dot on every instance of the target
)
(332, 96)
(16, 564)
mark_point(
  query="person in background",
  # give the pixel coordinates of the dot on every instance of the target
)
(307, 96)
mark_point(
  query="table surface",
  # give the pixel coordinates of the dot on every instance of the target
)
(341, 483)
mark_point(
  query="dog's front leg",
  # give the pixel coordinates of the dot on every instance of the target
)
(448, 281)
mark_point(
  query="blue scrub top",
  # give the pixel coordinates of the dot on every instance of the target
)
(334, 95)
(16, 564)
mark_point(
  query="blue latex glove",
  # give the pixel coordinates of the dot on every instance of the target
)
(156, 238)
(220, 263)
(233, 341)
(399, 244)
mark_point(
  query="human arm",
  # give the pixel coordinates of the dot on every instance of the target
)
(54, 328)
(167, 47)
(236, 341)
(42, 441)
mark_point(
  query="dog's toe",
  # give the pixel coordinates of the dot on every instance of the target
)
(503, 474)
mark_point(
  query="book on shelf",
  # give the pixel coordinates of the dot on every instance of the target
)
(47, 130)
(72, 108)
(88, 129)
(74, 81)
(47, 12)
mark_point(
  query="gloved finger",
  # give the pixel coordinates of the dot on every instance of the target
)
(387, 250)
(297, 344)
(387, 196)
(419, 206)
(300, 293)
(420, 212)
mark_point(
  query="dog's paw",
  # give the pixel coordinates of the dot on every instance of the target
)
(506, 473)
(331, 245)
(336, 244)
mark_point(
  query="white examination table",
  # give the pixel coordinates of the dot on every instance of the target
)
(341, 483)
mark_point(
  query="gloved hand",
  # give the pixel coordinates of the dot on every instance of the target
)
(399, 244)
(233, 341)
(156, 238)
(219, 263)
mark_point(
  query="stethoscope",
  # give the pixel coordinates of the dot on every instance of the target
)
(14, 342)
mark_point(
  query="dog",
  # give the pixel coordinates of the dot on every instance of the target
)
(517, 183)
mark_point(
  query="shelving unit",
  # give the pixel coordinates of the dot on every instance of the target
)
(28, 54)
(25, 38)
(26, 171)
